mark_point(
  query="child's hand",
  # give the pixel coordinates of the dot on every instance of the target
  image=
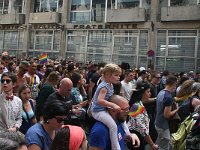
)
(116, 107)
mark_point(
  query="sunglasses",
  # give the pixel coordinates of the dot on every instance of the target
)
(1, 68)
(7, 81)
(60, 120)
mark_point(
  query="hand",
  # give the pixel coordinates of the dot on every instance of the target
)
(134, 140)
(154, 147)
(116, 107)
(83, 103)
(12, 129)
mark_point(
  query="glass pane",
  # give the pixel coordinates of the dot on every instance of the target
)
(142, 62)
(99, 45)
(125, 45)
(76, 44)
(180, 64)
(10, 40)
(21, 39)
(98, 11)
(198, 49)
(32, 37)
(56, 44)
(53, 5)
(183, 2)
(80, 17)
(78, 57)
(98, 58)
(4, 6)
(181, 47)
(80, 5)
(1, 39)
(127, 4)
(161, 43)
(160, 64)
(182, 32)
(17, 5)
(198, 65)
(118, 59)
(143, 43)
(43, 40)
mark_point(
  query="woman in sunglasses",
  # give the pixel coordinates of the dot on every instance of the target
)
(41, 135)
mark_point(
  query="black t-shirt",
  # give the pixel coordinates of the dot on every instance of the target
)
(94, 78)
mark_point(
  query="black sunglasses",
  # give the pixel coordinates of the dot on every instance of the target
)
(7, 81)
(60, 120)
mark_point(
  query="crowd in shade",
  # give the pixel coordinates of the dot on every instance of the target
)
(48, 104)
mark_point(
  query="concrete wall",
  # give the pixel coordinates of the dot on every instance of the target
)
(12, 19)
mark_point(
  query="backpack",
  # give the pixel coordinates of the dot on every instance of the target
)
(179, 138)
(193, 138)
(185, 109)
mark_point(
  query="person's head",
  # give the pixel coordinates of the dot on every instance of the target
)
(5, 59)
(121, 115)
(76, 79)
(8, 81)
(12, 141)
(142, 74)
(23, 67)
(11, 66)
(65, 87)
(141, 92)
(70, 138)
(111, 72)
(128, 75)
(55, 113)
(155, 78)
(41, 68)
(171, 83)
(196, 89)
(1, 68)
(183, 79)
(32, 68)
(71, 68)
(54, 78)
(24, 92)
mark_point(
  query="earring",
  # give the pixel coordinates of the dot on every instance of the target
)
(47, 122)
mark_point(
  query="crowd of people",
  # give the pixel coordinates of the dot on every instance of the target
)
(67, 105)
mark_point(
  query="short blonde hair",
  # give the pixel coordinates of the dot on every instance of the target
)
(110, 69)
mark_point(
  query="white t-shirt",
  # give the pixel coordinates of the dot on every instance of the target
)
(126, 90)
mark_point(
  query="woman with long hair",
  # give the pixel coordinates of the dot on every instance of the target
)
(138, 118)
(28, 115)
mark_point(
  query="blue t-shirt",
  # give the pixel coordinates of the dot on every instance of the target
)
(95, 107)
(99, 136)
(164, 99)
(37, 135)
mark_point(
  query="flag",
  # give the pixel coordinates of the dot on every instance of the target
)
(43, 58)
(136, 110)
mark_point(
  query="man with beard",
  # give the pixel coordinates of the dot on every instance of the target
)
(99, 136)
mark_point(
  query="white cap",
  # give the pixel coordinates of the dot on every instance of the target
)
(142, 68)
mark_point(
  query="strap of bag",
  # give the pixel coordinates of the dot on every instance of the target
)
(27, 113)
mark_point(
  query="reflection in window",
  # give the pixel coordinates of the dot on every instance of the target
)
(4, 6)
(80, 5)
(48, 5)
(98, 11)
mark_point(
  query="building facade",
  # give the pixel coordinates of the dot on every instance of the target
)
(160, 34)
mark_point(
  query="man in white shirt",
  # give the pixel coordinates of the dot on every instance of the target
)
(10, 105)
(127, 87)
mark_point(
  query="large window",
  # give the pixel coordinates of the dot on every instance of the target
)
(178, 48)
(45, 41)
(165, 3)
(12, 41)
(48, 5)
(108, 46)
